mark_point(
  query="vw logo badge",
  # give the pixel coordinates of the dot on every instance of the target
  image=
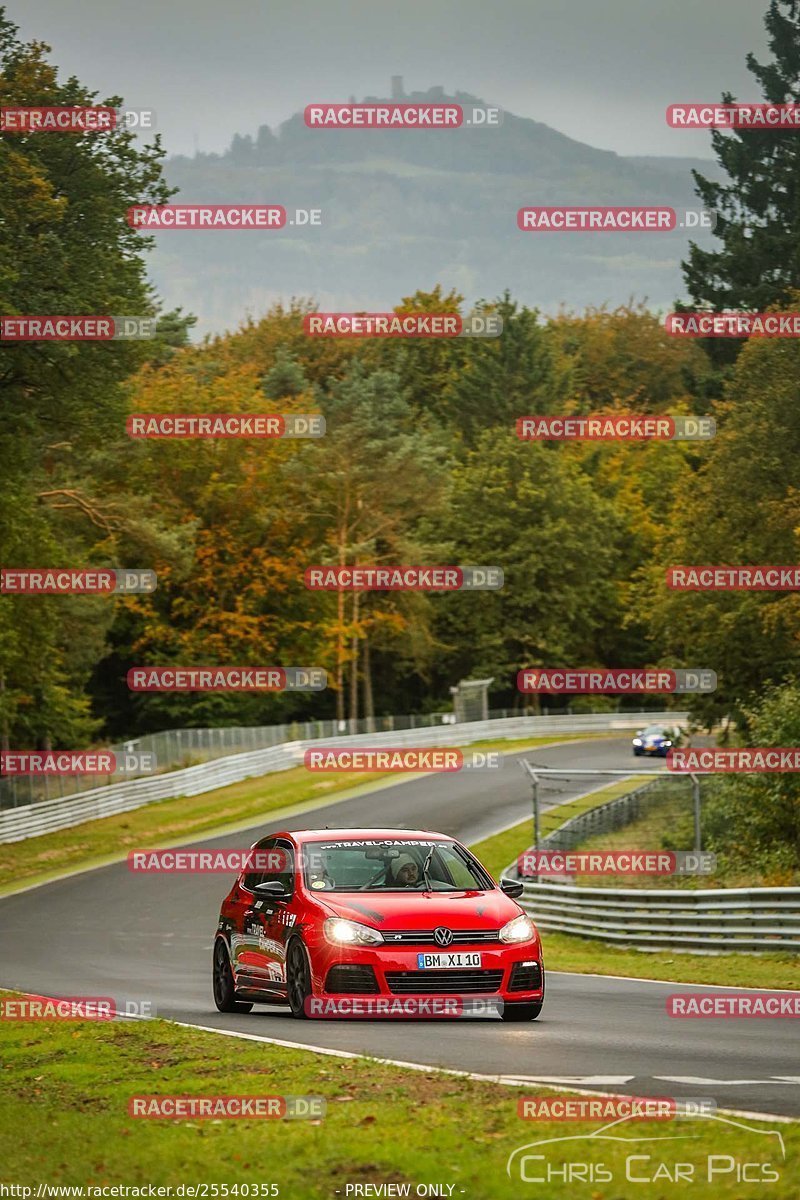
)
(442, 936)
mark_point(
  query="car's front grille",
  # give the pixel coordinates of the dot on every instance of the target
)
(525, 977)
(454, 983)
(351, 978)
(424, 937)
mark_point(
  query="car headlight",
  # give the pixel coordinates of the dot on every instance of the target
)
(637, 741)
(350, 933)
(520, 929)
(665, 743)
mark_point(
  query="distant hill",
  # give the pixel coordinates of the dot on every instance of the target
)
(406, 209)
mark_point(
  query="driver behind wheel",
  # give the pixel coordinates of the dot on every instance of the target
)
(405, 871)
(319, 875)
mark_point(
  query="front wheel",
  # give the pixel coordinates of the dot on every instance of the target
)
(224, 990)
(521, 1012)
(298, 978)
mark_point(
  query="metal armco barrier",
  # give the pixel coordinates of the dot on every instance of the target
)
(612, 813)
(712, 920)
(33, 820)
(603, 818)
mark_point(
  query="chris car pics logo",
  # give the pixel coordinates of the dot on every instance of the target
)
(727, 1153)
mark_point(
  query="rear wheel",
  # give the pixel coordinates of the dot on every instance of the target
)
(298, 978)
(224, 990)
(521, 1012)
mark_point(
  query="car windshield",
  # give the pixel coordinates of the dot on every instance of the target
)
(391, 865)
(655, 731)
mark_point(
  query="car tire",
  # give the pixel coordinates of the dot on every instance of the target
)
(223, 986)
(637, 753)
(298, 978)
(521, 1012)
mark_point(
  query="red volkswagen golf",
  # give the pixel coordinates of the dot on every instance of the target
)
(346, 922)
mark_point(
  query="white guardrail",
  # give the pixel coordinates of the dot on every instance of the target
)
(715, 920)
(33, 820)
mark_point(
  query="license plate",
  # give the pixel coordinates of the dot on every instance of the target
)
(448, 961)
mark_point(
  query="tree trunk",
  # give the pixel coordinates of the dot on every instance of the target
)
(4, 740)
(340, 656)
(369, 706)
(354, 665)
(340, 605)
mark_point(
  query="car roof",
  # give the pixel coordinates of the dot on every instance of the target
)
(313, 835)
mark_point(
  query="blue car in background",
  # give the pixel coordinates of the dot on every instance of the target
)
(655, 740)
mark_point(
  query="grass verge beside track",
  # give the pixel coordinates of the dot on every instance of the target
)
(564, 952)
(64, 1121)
(498, 851)
(169, 822)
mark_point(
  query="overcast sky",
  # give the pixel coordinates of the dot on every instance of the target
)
(601, 71)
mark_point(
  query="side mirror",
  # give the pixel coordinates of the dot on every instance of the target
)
(273, 889)
(512, 888)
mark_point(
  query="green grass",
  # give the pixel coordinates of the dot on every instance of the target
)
(64, 1121)
(551, 818)
(666, 822)
(498, 851)
(564, 952)
(168, 822)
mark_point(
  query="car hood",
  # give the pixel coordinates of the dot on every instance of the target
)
(422, 910)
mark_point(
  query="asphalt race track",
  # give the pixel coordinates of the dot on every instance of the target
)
(108, 932)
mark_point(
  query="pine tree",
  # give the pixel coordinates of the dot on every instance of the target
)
(758, 210)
